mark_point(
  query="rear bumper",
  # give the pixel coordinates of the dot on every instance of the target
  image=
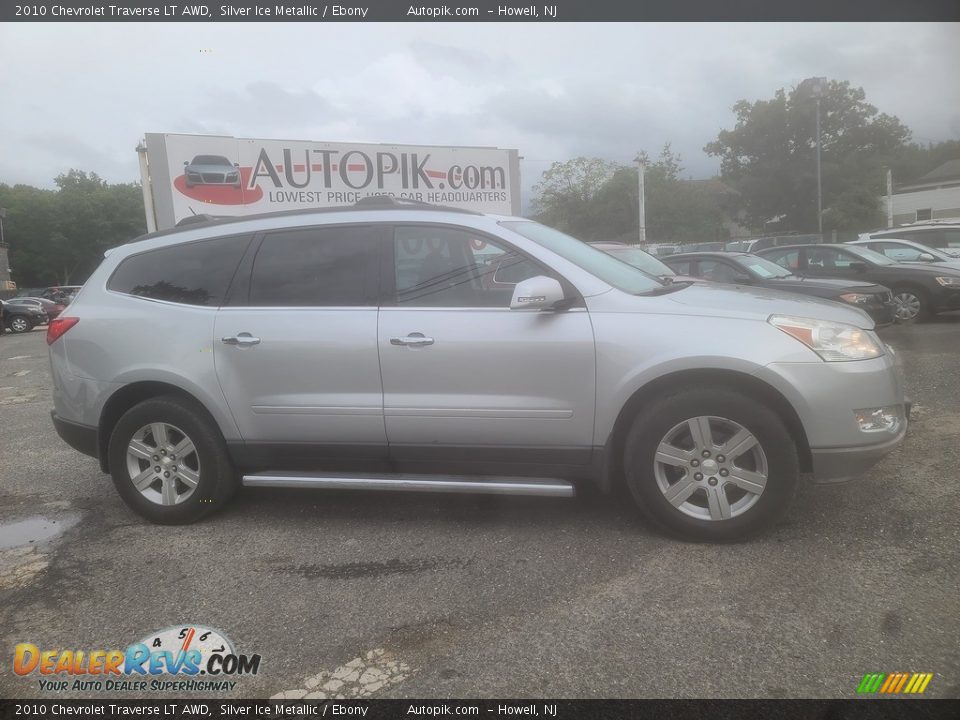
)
(80, 437)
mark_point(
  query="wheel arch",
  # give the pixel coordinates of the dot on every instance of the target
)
(130, 395)
(749, 385)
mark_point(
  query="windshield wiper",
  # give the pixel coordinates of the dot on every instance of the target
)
(665, 289)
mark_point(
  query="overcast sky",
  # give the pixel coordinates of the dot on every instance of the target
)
(82, 95)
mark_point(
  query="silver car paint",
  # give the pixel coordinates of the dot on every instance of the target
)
(559, 378)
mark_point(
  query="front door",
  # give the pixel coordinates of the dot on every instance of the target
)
(464, 376)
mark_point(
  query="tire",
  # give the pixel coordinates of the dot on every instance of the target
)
(20, 324)
(200, 481)
(911, 304)
(698, 512)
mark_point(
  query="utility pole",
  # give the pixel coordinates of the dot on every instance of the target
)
(819, 187)
(3, 214)
(814, 88)
(889, 198)
(641, 206)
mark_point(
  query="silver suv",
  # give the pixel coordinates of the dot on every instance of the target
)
(370, 347)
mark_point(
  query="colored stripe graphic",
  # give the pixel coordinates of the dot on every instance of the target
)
(894, 683)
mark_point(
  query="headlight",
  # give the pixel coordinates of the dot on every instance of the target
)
(949, 281)
(832, 341)
(855, 298)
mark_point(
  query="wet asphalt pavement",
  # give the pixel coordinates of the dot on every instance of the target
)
(457, 596)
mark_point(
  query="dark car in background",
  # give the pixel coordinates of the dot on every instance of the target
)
(640, 259)
(211, 170)
(50, 308)
(918, 290)
(747, 269)
(19, 318)
(60, 293)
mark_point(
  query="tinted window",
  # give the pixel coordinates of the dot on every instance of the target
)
(789, 259)
(197, 273)
(718, 271)
(316, 267)
(441, 267)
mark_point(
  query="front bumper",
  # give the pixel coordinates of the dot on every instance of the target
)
(837, 465)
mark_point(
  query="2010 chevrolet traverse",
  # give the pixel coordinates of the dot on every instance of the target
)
(367, 347)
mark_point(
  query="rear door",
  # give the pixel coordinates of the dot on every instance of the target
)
(296, 345)
(464, 376)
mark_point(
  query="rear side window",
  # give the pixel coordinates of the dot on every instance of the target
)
(317, 267)
(196, 273)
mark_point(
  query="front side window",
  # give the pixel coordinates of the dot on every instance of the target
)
(717, 271)
(445, 267)
(317, 267)
(789, 259)
(196, 273)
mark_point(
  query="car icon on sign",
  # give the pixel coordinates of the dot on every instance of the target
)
(211, 170)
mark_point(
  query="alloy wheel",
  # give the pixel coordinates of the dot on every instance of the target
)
(710, 468)
(163, 464)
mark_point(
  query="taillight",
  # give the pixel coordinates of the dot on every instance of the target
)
(58, 326)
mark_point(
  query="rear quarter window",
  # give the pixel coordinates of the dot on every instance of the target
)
(196, 273)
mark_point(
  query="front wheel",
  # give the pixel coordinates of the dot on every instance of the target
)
(710, 464)
(910, 305)
(169, 462)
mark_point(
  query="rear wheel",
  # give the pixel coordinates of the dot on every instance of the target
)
(20, 324)
(169, 462)
(710, 464)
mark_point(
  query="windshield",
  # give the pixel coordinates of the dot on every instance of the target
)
(642, 260)
(762, 267)
(871, 255)
(920, 248)
(596, 262)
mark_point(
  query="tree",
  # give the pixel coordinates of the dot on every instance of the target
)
(59, 236)
(564, 196)
(770, 157)
(598, 200)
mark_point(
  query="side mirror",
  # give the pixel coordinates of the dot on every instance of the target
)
(236, 164)
(186, 162)
(536, 293)
(743, 280)
(860, 267)
(926, 257)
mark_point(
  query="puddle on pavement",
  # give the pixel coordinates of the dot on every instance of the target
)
(35, 530)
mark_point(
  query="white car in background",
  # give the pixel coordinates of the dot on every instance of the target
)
(944, 235)
(907, 251)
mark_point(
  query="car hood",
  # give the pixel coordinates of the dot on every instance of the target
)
(825, 283)
(752, 303)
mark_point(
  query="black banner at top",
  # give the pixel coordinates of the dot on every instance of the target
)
(477, 10)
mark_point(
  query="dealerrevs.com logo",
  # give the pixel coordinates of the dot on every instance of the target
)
(175, 659)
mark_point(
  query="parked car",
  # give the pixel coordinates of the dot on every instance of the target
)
(363, 348)
(918, 290)
(908, 251)
(19, 318)
(702, 247)
(61, 293)
(943, 235)
(640, 259)
(211, 170)
(755, 244)
(50, 308)
(755, 271)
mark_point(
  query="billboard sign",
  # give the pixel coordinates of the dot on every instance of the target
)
(194, 174)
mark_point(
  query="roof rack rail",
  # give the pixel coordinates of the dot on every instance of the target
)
(394, 203)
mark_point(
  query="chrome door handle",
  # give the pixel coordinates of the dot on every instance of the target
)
(243, 339)
(413, 340)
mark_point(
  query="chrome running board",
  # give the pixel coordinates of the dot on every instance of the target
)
(544, 487)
